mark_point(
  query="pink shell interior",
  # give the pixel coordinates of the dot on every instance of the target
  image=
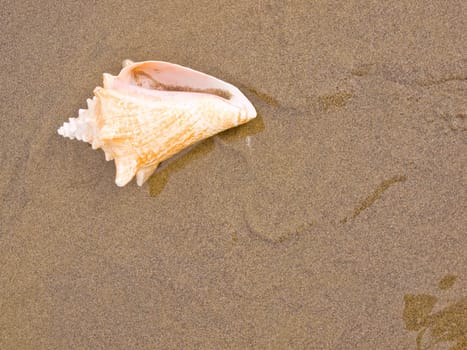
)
(157, 78)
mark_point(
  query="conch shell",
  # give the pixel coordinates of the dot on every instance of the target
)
(153, 110)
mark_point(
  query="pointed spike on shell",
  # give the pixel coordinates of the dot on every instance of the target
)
(126, 169)
(108, 155)
(108, 79)
(127, 62)
(144, 174)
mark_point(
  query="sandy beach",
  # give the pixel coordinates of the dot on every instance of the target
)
(334, 220)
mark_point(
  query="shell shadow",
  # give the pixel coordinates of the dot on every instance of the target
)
(160, 178)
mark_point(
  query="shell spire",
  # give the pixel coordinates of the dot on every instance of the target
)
(153, 110)
(84, 127)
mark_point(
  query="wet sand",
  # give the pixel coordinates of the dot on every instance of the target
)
(335, 220)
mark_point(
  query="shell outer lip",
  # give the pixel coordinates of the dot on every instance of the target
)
(239, 99)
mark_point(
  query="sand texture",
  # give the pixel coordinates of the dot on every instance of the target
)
(335, 220)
